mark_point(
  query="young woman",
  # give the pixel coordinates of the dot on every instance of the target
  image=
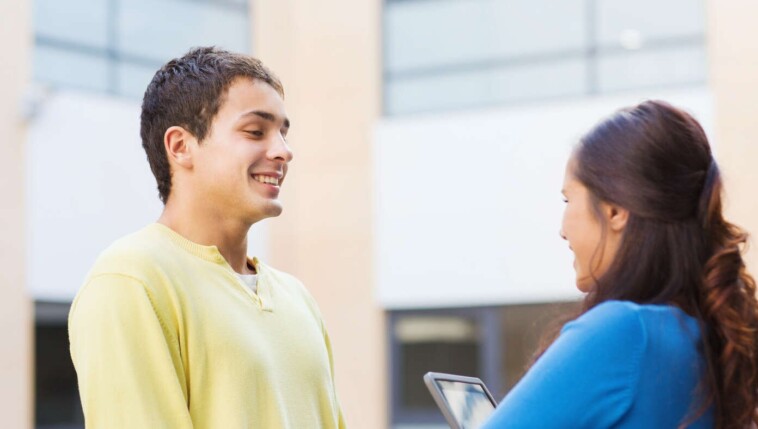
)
(668, 335)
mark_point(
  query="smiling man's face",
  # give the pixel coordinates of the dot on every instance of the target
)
(240, 166)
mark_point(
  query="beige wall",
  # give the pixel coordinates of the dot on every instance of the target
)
(733, 54)
(15, 305)
(327, 55)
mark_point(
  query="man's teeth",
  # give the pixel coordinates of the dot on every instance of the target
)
(266, 179)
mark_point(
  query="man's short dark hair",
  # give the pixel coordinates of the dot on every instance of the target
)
(188, 92)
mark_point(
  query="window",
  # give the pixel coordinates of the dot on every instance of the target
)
(116, 46)
(57, 404)
(454, 54)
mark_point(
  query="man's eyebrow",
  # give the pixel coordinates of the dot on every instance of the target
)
(267, 116)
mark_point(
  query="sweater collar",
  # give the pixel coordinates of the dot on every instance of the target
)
(212, 254)
(209, 253)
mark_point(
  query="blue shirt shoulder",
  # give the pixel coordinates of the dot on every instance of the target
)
(618, 365)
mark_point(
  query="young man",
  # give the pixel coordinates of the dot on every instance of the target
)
(175, 327)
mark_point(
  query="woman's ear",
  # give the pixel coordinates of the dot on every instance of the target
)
(617, 217)
(177, 142)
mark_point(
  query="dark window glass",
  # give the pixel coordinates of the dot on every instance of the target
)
(57, 404)
(426, 344)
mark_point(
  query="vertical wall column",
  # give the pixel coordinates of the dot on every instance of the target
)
(733, 57)
(327, 54)
(15, 305)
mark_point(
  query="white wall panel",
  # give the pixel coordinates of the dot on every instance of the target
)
(468, 205)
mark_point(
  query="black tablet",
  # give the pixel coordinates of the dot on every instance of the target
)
(464, 401)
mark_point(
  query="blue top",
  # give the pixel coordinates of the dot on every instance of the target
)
(619, 365)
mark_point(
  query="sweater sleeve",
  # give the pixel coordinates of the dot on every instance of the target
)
(586, 379)
(128, 364)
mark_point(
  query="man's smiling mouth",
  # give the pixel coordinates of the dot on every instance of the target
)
(269, 180)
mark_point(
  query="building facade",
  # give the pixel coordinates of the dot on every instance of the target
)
(423, 205)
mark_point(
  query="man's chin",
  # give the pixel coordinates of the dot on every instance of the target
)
(261, 213)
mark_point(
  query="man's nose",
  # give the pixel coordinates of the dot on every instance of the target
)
(281, 150)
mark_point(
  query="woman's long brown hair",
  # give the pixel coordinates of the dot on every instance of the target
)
(655, 161)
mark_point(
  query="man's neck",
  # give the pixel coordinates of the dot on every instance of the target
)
(208, 229)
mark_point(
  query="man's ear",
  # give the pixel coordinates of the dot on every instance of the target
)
(178, 143)
(617, 217)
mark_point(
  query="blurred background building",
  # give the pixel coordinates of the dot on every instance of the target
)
(423, 205)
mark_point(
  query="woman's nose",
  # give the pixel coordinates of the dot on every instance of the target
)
(563, 236)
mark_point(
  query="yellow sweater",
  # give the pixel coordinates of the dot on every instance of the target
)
(164, 335)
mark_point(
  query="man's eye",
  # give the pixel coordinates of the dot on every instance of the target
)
(255, 133)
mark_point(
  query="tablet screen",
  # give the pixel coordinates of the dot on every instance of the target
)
(468, 402)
